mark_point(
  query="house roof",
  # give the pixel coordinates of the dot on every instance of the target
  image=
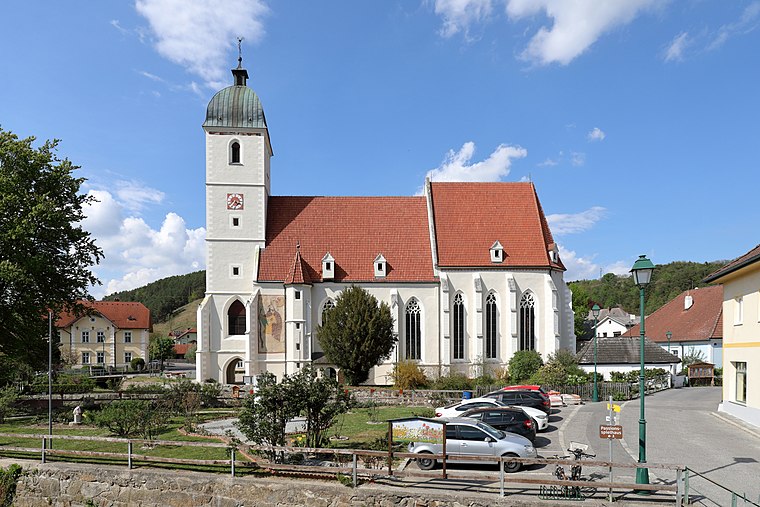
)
(123, 314)
(702, 321)
(623, 350)
(745, 260)
(470, 217)
(354, 230)
(616, 314)
(181, 348)
(178, 334)
(296, 275)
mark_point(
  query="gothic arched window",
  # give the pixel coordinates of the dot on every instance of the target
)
(491, 320)
(413, 334)
(235, 153)
(328, 305)
(528, 322)
(236, 318)
(459, 326)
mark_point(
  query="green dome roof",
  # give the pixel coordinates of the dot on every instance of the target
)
(235, 106)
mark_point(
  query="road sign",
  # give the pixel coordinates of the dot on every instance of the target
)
(610, 431)
(616, 408)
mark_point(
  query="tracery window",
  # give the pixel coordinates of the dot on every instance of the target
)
(491, 320)
(528, 322)
(413, 334)
(459, 326)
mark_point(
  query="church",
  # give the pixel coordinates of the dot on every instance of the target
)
(470, 270)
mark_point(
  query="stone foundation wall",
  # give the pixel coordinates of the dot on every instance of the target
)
(70, 485)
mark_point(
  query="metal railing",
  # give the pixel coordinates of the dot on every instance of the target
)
(719, 495)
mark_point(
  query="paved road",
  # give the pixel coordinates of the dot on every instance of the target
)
(683, 427)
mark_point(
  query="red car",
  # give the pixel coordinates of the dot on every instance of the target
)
(531, 387)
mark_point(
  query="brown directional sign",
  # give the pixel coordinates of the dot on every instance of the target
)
(610, 431)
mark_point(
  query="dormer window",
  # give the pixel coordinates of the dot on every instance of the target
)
(235, 152)
(553, 252)
(328, 267)
(497, 252)
(381, 266)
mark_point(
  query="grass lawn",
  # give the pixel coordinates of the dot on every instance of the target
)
(362, 432)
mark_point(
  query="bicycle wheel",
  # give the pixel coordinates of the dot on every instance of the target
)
(587, 491)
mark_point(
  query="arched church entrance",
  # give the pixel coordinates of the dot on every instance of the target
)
(235, 371)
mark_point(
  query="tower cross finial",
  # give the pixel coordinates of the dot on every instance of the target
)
(240, 52)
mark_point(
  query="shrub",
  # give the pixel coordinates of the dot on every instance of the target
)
(523, 365)
(617, 376)
(453, 382)
(8, 478)
(408, 375)
(137, 363)
(8, 397)
(484, 380)
(127, 418)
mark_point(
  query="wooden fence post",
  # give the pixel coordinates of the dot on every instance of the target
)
(44, 443)
(129, 455)
(353, 454)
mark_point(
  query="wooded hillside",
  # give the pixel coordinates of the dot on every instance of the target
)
(164, 296)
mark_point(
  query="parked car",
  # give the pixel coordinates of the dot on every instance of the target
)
(534, 399)
(509, 419)
(525, 387)
(540, 418)
(467, 437)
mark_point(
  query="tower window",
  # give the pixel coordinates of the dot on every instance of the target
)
(235, 153)
(236, 315)
(235, 222)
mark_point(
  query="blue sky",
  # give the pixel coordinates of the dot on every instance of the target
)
(637, 121)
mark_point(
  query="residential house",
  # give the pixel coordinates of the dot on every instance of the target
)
(470, 271)
(612, 321)
(695, 320)
(110, 333)
(741, 335)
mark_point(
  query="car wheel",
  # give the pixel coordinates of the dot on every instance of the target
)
(511, 466)
(535, 424)
(425, 463)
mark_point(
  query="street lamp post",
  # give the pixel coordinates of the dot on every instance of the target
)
(642, 274)
(670, 377)
(595, 312)
(669, 335)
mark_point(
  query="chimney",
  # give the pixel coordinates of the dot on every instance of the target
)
(688, 302)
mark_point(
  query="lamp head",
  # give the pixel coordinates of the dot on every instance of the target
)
(642, 271)
(595, 310)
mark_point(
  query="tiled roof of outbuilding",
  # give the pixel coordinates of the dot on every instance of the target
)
(745, 260)
(123, 314)
(624, 350)
(702, 321)
(469, 217)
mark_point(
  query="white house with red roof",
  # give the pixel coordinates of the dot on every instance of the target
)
(470, 270)
(108, 333)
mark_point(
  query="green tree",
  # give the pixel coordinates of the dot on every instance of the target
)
(265, 413)
(321, 400)
(45, 254)
(8, 397)
(160, 348)
(581, 305)
(523, 364)
(190, 354)
(357, 334)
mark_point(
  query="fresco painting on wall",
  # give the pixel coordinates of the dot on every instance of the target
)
(271, 324)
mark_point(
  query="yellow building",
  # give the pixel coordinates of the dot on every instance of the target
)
(112, 333)
(741, 336)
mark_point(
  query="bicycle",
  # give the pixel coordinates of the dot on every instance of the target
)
(575, 475)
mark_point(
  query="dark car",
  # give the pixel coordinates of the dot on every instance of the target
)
(512, 420)
(534, 399)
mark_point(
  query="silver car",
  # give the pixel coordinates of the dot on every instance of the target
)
(467, 437)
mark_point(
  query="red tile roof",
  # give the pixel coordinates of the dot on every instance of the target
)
(296, 275)
(745, 260)
(181, 348)
(354, 230)
(469, 217)
(123, 314)
(703, 321)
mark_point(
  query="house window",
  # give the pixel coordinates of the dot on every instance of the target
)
(236, 318)
(127, 336)
(741, 382)
(85, 337)
(527, 322)
(235, 222)
(101, 337)
(329, 305)
(101, 358)
(235, 271)
(85, 358)
(739, 315)
(413, 335)
(127, 357)
(235, 153)
(298, 294)
(617, 333)
(491, 320)
(459, 326)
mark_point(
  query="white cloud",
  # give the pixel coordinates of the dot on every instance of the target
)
(456, 166)
(199, 34)
(596, 134)
(677, 47)
(115, 24)
(746, 23)
(584, 268)
(458, 15)
(549, 162)
(150, 76)
(577, 25)
(134, 195)
(565, 223)
(135, 253)
(578, 159)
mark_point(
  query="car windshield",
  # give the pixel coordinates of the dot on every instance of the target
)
(491, 431)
